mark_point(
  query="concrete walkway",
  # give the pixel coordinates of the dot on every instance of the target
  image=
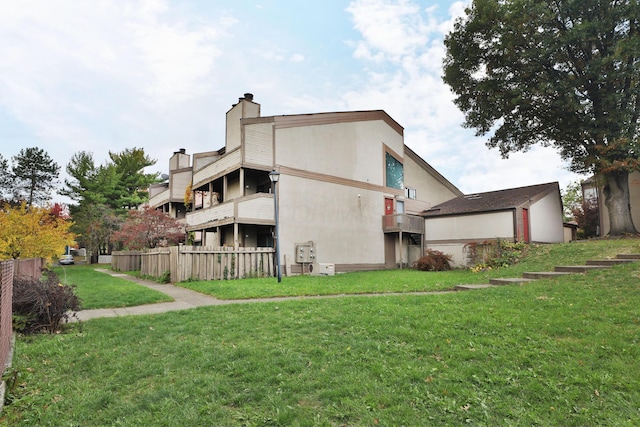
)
(186, 299)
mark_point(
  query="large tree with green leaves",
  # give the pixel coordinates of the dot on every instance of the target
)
(133, 181)
(103, 194)
(120, 183)
(5, 180)
(34, 176)
(564, 73)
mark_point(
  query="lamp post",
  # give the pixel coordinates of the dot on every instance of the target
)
(274, 176)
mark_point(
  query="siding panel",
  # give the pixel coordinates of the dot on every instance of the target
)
(259, 144)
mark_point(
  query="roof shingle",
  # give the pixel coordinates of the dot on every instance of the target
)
(491, 201)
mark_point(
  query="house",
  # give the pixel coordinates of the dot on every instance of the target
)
(350, 191)
(592, 189)
(169, 195)
(524, 214)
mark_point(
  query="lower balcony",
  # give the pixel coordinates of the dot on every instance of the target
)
(403, 223)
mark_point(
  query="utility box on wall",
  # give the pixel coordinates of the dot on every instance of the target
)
(323, 269)
(305, 252)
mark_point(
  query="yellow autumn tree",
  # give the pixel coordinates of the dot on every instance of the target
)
(33, 232)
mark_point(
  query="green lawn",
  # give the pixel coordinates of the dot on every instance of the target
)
(552, 352)
(100, 290)
(541, 258)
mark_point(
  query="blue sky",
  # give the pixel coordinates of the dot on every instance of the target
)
(106, 75)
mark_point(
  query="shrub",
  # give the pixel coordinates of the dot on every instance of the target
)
(42, 305)
(433, 261)
(495, 254)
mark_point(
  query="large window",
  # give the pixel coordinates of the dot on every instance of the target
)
(395, 172)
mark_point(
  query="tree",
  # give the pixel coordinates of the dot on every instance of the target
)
(95, 225)
(562, 73)
(588, 218)
(571, 200)
(5, 180)
(584, 211)
(35, 175)
(133, 182)
(149, 228)
(33, 232)
(90, 184)
(103, 194)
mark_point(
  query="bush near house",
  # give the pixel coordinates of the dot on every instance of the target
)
(42, 305)
(433, 261)
(495, 254)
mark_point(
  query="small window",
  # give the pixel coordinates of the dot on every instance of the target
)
(411, 193)
(394, 172)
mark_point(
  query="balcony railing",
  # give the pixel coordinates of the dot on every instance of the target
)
(159, 199)
(256, 208)
(402, 222)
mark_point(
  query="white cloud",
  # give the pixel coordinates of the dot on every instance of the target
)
(105, 75)
(392, 29)
(402, 47)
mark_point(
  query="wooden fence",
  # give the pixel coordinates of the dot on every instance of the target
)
(7, 270)
(126, 260)
(31, 267)
(183, 263)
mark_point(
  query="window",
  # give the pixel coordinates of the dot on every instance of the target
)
(394, 172)
(411, 193)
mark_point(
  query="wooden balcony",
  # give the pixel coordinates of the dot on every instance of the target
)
(254, 209)
(404, 223)
(159, 199)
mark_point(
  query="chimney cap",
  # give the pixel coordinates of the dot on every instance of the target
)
(248, 96)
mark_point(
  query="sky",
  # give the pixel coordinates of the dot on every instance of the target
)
(108, 75)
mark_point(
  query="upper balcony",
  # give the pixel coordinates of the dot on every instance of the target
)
(160, 199)
(401, 222)
(254, 209)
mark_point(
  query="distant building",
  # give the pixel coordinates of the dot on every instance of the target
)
(523, 214)
(351, 194)
(348, 185)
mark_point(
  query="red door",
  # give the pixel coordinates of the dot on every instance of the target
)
(525, 225)
(388, 206)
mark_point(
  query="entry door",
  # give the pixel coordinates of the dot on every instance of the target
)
(388, 206)
(525, 225)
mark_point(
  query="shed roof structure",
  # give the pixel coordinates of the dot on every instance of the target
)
(492, 200)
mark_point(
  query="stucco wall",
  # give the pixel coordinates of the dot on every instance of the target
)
(545, 220)
(241, 110)
(347, 150)
(470, 227)
(344, 222)
(429, 190)
(179, 182)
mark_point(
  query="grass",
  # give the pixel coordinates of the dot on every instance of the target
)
(541, 258)
(551, 352)
(100, 290)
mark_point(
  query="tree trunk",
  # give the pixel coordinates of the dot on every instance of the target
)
(616, 198)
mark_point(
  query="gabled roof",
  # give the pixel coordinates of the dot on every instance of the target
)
(492, 200)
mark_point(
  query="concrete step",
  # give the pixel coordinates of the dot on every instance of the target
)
(543, 274)
(471, 287)
(628, 256)
(609, 262)
(579, 268)
(509, 281)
